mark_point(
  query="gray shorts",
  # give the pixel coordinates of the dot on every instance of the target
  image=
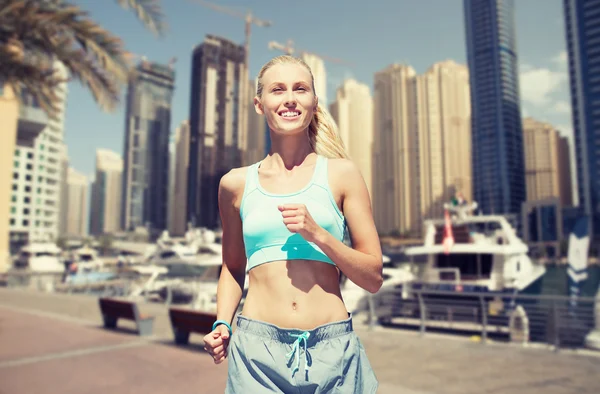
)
(264, 358)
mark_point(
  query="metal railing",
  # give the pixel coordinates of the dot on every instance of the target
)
(559, 321)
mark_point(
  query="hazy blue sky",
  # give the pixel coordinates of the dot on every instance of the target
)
(371, 35)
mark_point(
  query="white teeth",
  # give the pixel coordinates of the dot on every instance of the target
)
(289, 114)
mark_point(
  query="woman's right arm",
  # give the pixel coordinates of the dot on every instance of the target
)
(233, 273)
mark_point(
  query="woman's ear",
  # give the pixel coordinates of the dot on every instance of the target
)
(258, 106)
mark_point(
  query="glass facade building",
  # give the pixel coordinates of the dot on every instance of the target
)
(497, 131)
(146, 158)
(216, 130)
(582, 23)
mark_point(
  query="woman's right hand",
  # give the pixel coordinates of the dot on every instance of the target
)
(216, 342)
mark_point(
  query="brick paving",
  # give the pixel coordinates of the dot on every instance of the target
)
(54, 343)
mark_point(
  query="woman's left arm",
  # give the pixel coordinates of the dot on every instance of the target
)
(362, 263)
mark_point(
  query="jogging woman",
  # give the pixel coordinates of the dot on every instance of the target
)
(284, 220)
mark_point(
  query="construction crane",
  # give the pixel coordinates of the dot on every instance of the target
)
(289, 49)
(248, 17)
(172, 62)
(131, 57)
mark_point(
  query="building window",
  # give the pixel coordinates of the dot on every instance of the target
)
(16, 165)
(13, 210)
(27, 200)
(12, 222)
(15, 175)
(29, 166)
(28, 177)
(30, 155)
(27, 189)
(25, 211)
(14, 187)
(13, 198)
(25, 222)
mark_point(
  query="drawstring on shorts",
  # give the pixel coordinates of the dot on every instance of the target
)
(296, 350)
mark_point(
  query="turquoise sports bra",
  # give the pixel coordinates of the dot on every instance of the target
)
(266, 238)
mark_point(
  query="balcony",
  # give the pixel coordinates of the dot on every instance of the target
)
(32, 120)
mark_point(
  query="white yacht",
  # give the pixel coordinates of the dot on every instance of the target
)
(41, 257)
(475, 253)
(464, 256)
(86, 260)
(356, 298)
(197, 245)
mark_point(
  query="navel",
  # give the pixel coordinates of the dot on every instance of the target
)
(294, 305)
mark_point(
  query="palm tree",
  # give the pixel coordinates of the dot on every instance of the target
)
(34, 33)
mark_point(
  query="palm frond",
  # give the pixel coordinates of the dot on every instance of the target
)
(149, 12)
(55, 30)
(35, 33)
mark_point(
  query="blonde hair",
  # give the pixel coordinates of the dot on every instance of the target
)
(323, 132)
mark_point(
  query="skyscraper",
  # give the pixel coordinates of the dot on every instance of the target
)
(353, 113)
(395, 184)
(217, 141)
(317, 67)
(146, 155)
(77, 197)
(257, 131)
(37, 177)
(497, 133)
(444, 132)
(178, 223)
(63, 205)
(547, 163)
(582, 21)
(105, 212)
(11, 124)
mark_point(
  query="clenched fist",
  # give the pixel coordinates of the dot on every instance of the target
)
(216, 342)
(298, 220)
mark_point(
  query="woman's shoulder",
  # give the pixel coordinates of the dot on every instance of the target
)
(234, 180)
(342, 167)
(345, 175)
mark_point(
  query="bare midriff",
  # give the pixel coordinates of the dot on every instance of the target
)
(299, 294)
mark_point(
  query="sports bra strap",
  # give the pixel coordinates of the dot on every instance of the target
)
(251, 178)
(321, 174)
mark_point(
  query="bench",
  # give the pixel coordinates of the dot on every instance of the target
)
(112, 310)
(185, 321)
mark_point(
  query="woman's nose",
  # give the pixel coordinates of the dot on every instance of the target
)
(289, 99)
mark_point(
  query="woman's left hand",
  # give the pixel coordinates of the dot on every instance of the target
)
(298, 220)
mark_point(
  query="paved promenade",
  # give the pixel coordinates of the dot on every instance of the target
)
(54, 343)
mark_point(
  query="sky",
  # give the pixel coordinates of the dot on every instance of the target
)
(369, 36)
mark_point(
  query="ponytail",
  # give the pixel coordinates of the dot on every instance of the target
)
(324, 135)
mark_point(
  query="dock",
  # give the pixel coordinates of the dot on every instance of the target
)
(55, 343)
